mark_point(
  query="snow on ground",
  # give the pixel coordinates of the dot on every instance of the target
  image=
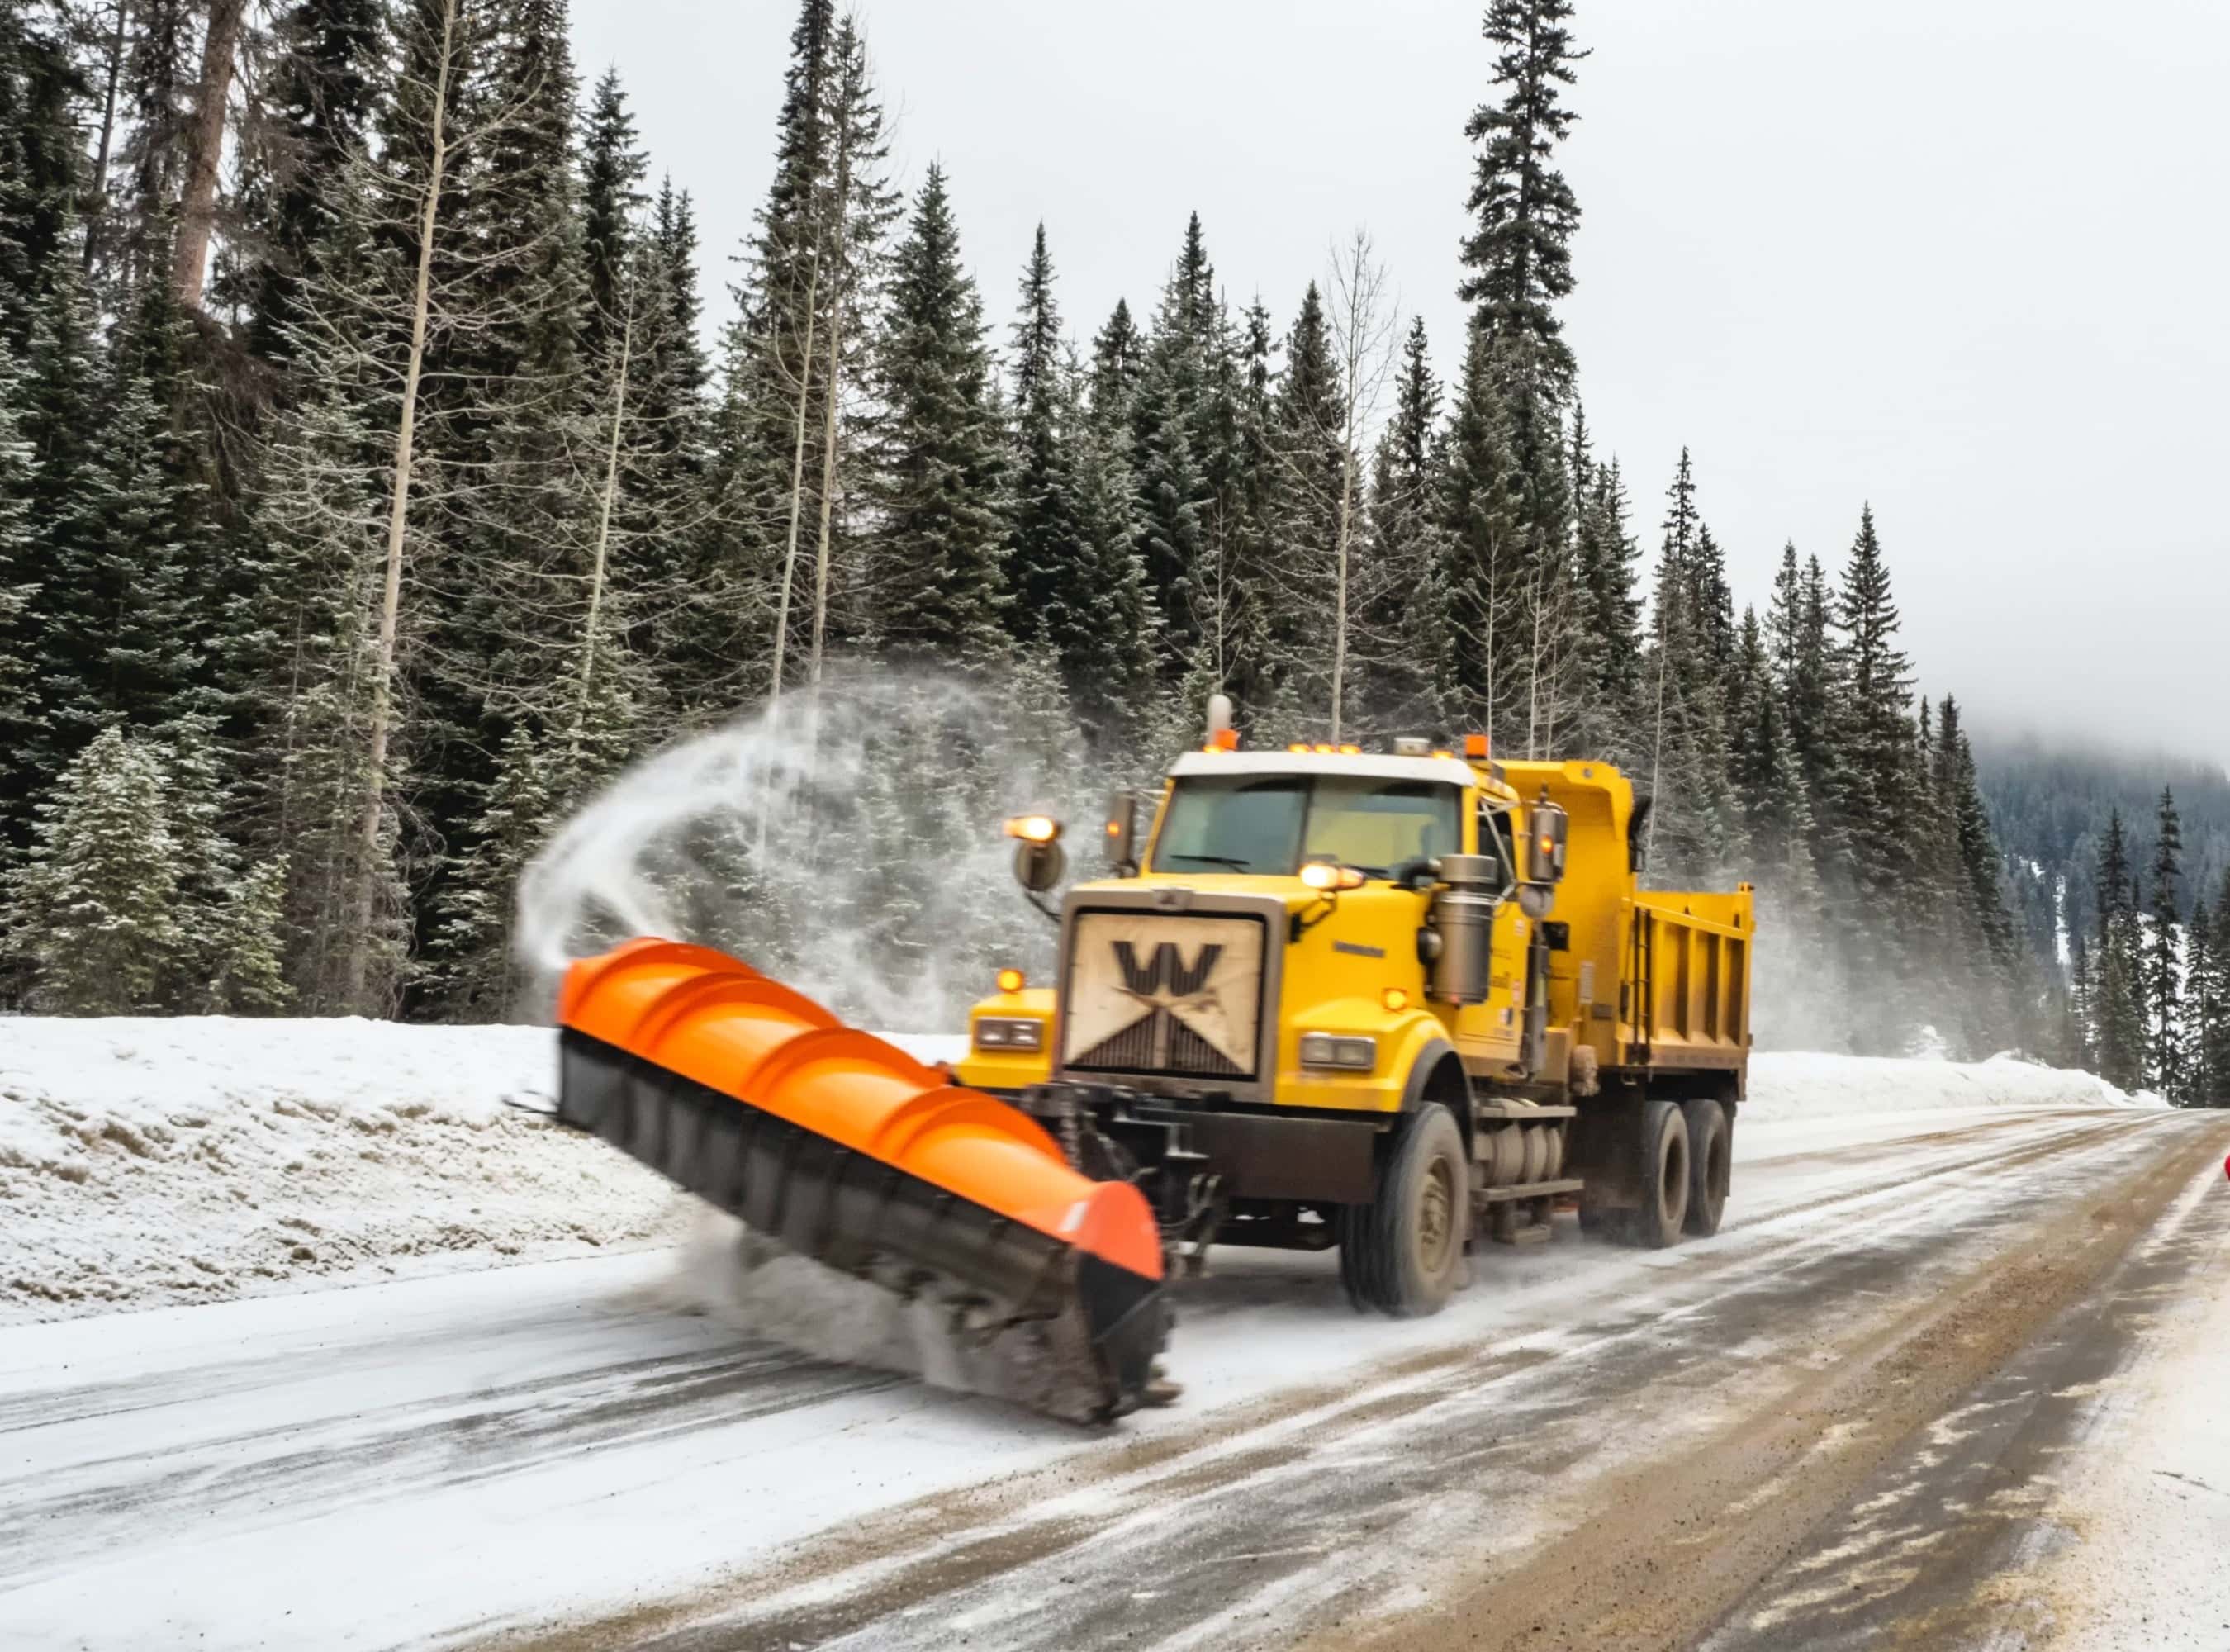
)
(1789, 1087)
(151, 1162)
(158, 1162)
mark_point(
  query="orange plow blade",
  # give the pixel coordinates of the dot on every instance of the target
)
(848, 1150)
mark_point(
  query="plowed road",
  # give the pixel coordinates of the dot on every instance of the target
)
(1935, 1370)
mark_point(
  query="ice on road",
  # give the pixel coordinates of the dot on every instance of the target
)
(555, 1454)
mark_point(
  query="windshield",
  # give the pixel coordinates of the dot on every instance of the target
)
(1268, 825)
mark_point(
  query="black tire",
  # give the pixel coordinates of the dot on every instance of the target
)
(1403, 1253)
(1711, 1165)
(1664, 1178)
(1350, 1279)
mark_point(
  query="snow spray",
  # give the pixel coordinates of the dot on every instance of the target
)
(843, 840)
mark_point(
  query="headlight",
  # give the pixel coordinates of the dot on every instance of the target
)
(1336, 1049)
(997, 1032)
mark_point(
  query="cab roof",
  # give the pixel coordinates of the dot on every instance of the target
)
(1448, 771)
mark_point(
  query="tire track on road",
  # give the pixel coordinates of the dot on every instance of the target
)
(1327, 1470)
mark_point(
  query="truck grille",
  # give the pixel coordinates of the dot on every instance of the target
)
(1173, 995)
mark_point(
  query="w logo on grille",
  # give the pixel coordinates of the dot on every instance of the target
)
(1165, 971)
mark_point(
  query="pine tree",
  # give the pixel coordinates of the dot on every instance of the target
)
(39, 165)
(1305, 508)
(2214, 1020)
(2161, 964)
(940, 549)
(1403, 604)
(1605, 551)
(1695, 823)
(19, 580)
(1106, 649)
(1877, 914)
(1118, 352)
(1041, 563)
(95, 910)
(1481, 515)
(322, 108)
(2117, 1006)
(1519, 253)
(1168, 459)
(613, 167)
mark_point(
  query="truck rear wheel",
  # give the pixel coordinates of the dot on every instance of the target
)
(1402, 1253)
(1665, 1178)
(1711, 1165)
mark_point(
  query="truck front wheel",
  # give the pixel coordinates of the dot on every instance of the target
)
(1402, 1252)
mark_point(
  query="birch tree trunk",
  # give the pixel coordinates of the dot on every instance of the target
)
(362, 914)
(833, 384)
(97, 207)
(602, 561)
(204, 149)
(796, 477)
(1363, 333)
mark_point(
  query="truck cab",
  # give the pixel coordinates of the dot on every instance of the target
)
(1385, 1002)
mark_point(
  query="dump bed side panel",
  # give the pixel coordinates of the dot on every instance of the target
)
(1685, 1001)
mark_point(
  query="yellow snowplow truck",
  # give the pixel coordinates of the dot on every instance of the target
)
(1392, 1004)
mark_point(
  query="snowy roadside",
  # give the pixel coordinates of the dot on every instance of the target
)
(150, 1163)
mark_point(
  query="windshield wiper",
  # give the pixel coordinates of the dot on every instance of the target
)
(1231, 861)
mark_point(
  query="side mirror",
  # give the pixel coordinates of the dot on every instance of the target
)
(1039, 860)
(1121, 832)
(1548, 829)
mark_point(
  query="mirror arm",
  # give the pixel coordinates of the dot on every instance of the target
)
(1052, 913)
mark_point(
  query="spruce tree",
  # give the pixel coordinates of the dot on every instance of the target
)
(2214, 1021)
(1299, 598)
(940, 545)
(2161, 964)
(1107, 648)
(95, 909)
(613, 167)
(39, 164)
(19, 586)
(1878, 914)
(1118, 352)
(1404, 604)
(321, 108)
(2117, 1004)
(1169, 456)
(1605, 552)
(1483, 539)
(1042, 568)
(1518, 255)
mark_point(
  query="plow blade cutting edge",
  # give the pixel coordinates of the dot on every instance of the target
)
(847, 1150)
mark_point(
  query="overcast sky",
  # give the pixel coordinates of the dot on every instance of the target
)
(1967, 259)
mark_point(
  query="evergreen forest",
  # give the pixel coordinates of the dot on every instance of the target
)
(374, 488)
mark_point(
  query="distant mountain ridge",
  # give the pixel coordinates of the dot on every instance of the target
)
(2050, 803)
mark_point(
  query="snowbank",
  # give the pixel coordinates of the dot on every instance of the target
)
(1794, 1085)
(150, 1162)
(145, 1162)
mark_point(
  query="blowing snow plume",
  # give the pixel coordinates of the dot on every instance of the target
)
(844, 844)
(844, 840)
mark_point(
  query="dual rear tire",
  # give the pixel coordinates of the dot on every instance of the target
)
(1683, 1170)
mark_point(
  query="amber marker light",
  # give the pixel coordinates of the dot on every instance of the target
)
(1394, 999)
(1010, 980)
(1475, 747)
(1034, 828)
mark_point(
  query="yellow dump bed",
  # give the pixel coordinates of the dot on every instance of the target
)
(1685, 997)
